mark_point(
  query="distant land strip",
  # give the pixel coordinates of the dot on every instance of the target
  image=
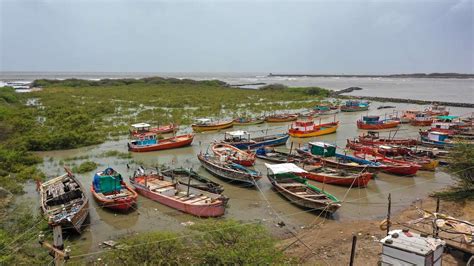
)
(413, 75)
(339, 94)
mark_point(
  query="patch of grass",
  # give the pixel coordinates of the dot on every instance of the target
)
(212, 243)
(85, 167)
(75, 158)
(118, 154)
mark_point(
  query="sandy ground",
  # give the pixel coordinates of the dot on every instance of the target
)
(331, 240)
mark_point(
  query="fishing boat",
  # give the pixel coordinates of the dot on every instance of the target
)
(231, 153)
(307, 129)
(271, 155)
(141, 128)
(326, 153)
(197, 181)
(288, 180)
(408, 115)
(246, 121)
(333, 176)
(241, 140)
(324, 109)
(426, 163)
(277, 118)
(436, 110)
(373, 138)
(354, 106)
(110, 191)
(149, 142)
(422, 120)
(385, 149)
(391, 166)
(436, 139)
(386, 107)
(229, 171)
(178, 195)
(374, 122)
(63, 201)
(205, 124)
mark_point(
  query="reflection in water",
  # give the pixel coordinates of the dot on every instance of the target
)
(246, 204)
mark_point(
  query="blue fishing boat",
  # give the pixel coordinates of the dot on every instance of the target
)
(436, 139)
(355, 106)
(241, 140)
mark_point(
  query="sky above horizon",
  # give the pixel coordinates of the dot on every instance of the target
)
(327, 37)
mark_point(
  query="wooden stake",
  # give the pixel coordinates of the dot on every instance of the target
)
(354, 242)
(388, 211)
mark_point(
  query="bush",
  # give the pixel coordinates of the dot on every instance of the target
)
(274, 87)
(461, 166)
(210, 243)
(85, 167)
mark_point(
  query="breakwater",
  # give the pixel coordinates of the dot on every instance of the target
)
(339, 94)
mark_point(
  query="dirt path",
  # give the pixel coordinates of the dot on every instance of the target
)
(331, 240)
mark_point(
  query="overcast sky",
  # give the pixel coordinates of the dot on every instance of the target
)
(356, 37)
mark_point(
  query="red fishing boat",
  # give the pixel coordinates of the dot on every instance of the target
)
(333, 176)
(281, 118)
(375, 123)
(373, 138)
(141, 128)
(384, 149)
(179, 195)
(149, 142)
(390, 165)
(110, 191)
(436, 110)
(245, 158)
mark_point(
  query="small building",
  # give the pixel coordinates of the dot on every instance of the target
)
(403, 247)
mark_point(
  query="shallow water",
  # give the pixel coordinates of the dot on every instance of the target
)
(246, 204)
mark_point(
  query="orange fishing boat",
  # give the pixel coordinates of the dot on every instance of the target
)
(142, 128)
(375, 123)
(307, 129)
(150, 142)
(205, 124)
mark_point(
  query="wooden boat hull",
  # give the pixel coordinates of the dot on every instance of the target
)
(418, 123)
(393, 167)
(379, 141)
(227, 174)
(270, 141)
(353, 109)
(236, 155)
(214, 127)
(254, 122)
(75, 221)
(289, 118)
(391, 124)
(165, 129)
(322, 131)
(301, 202)
(360, 180)
(164, 144)
(121, 204)
(203, 183)
(215, 209)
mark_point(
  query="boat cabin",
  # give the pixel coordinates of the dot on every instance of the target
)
(371, 119)
(203, 121)
(322, 149)
(353, 103)
(283, 168)
(236, 136)
(447, 118)
(303, 125)
(437, 136)
(140, 128)
(423, 117)
(441, 125)
(107, 182)
(145, 139)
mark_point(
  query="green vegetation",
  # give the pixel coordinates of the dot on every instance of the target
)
(85, 167)
(210, 243)
(461, 166)
(118, 154)
(19, 229)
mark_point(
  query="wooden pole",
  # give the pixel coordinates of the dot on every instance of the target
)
(354, 242)
(388, 211)
(189, 183)
(291, 147)
(435, 226)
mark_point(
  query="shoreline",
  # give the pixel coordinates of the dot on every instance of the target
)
(322, 237)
